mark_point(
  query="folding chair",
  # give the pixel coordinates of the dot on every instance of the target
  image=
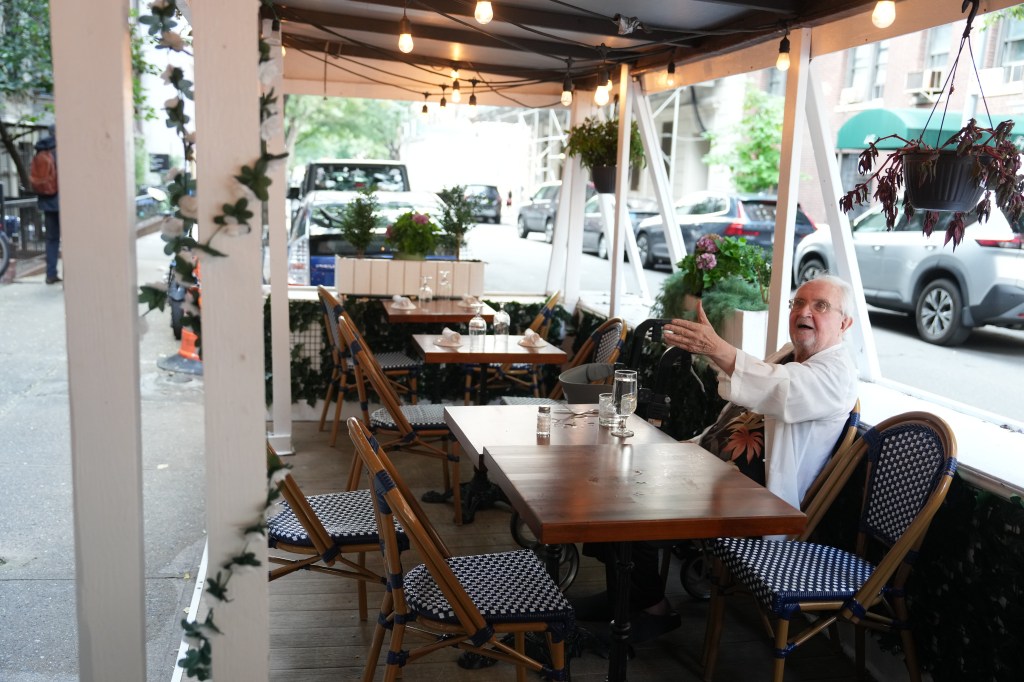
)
(465, 602)
(911, 463)
(324, 528)
(400, 369)
(603, 345)
(419, 429)
(522, 375)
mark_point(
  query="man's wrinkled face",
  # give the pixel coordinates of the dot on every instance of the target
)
(816, 318)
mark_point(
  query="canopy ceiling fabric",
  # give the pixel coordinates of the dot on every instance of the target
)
(872, 124)
(530, 45)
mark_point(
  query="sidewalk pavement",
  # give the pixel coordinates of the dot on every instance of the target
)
(37, 570)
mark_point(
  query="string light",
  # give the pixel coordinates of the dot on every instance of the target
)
(484, 12)
(670, 74)
(456, 94)
(884, 13)
(405, 34)
(567, 91)
(782, 63)
(601, 96)
(472, 94)
(455, 72)
(444, 102)
(424, 109)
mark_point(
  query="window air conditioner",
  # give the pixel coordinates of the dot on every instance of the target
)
(849, 96)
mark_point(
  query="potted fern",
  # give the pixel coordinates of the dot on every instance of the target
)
(596, 142)
(959, 174)
(359, 221)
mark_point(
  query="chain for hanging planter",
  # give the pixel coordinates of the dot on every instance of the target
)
(958, 175)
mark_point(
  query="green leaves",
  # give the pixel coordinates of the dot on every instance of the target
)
(596, 142)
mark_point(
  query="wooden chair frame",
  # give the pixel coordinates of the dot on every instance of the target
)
(870, 607)
(471, 631)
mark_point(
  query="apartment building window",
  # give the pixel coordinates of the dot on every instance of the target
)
(1011, 54)
(866, 72)
(937, 56)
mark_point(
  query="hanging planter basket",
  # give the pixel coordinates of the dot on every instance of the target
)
(604, 179)
(942, 180)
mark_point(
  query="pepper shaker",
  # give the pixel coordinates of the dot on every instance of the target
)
(544, 421)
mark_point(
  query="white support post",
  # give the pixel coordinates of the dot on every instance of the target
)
(656, 164)
(860, 337)
(793, 123)
(567, 244)
(280, 362)
(94, 131)
(227, 127)
(621, 194)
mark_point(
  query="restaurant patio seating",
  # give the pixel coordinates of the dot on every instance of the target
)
(324, 528)
(466, 602)
(419, 429)
(602, 346)
(401, 370)
(911, 463)
(515, 375)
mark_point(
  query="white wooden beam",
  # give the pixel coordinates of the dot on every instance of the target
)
(227, 128)
(94, 132)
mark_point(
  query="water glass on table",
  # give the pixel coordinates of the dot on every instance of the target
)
(606, 410)
(624, 398)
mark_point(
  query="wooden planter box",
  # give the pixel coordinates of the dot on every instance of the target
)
(385, 277)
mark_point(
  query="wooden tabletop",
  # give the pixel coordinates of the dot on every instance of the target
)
(441, 310)
(634, 491)
(476, 426)
(492, 352)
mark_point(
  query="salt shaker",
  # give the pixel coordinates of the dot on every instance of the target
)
(544, 421)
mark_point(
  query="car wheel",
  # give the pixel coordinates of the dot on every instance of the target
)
(938, 314)
(549, 231)
(642, 245)
(602, 248)
(809, 269)
(523, 232)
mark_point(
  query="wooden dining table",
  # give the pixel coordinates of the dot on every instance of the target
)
(629, 491)
(439, 310)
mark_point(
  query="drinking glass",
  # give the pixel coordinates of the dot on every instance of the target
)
(624, 399)
(444, 284)
(426, 293)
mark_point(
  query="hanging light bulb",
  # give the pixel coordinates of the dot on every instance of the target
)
(601, 95)
(884, 13)
(456, 95)
(782, 63)
(484, 12)
(567, 91)
(444, 102)
(424, 109)
(472, 94)
(405, 34)
(455, 72)
(670, 74)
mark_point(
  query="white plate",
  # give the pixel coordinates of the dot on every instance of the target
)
(445, 344)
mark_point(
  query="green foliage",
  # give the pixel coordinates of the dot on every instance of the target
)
(319, 128)
(413, 234)
(717, 258)
(596, 142)
(359, 219)
(25, 62)
(307, 384)
(456, 218)
(752, 149)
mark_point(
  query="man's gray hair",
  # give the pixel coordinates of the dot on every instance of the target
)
(845, 291)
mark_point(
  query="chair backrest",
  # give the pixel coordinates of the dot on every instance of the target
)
(392, 501)
(846, 437)
(332, 310)
(648, 331)
(542, 322)
(603, 345)
(368, 370)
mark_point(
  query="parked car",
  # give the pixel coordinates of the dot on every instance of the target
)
(488, 203)
(730, 215)
(343, 175)
(639, 208)
(948, 291)
(315, 236)
(539, 214)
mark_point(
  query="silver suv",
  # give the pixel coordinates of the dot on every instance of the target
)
(949, 292)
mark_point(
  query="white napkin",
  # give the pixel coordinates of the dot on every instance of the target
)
(532, 338)
(470, 301)
(399, 301)
(450, 337)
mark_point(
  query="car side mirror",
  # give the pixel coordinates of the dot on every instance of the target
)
(293, 192)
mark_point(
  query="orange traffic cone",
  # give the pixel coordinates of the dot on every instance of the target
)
(186, 360)
(188, 345)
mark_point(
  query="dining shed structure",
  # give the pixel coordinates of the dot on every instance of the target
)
(528, 49)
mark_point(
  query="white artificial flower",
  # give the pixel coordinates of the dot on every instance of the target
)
(189, 206)
(171, 175)
(172, 103)
(274, 164)
(269, 71)
(172, 227)
(278, 476)
(190, 137)
(168, 74)
(172, 40)
(271, 127)
(244, 192)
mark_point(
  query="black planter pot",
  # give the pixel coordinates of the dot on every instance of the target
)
(953, 186)
(604, 179)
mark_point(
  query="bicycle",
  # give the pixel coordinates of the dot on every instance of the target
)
(8, 237)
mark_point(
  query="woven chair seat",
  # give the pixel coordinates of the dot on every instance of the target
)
(529, 400)
(781, 574)
(420, 417)
(397, 360)
(347, 517)
(506, 587)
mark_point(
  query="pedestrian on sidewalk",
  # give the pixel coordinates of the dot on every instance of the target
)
(44, 183)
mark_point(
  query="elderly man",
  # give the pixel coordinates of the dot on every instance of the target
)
(805, 403)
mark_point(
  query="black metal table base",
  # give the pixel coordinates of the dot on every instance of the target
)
(478, 493)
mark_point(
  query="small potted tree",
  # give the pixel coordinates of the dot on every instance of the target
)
(959, 175)
(597, 143)
(359, 221)
(456, 217)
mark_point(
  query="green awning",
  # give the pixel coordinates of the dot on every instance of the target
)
(871, 124)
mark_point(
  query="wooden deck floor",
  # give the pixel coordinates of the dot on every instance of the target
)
(316, 633)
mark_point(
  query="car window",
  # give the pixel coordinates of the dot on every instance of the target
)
(348, 177)
(760, 211)
(871, 222)
(549, 192)
(710, 204)
(591, 205)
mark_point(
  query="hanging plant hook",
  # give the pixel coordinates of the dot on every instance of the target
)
(970, 17)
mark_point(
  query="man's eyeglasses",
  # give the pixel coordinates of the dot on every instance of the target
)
(818, 305)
